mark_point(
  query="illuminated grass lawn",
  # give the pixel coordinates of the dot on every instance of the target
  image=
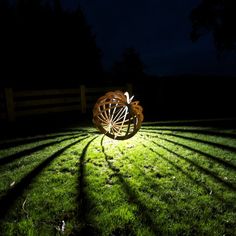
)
(163, 181)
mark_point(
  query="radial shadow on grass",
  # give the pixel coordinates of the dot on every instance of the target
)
(219, 123)
(196, 131)
(209, 156)
(144, 213)
(206, 188)
(149, 179)
(202, 169)
(20, 154)
(83, 203)
(218, 145)
(88, 131)
(12, 194)
(14, 143)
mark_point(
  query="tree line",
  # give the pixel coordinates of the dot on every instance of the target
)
(41, 43)
(218, 18)
(44, 43)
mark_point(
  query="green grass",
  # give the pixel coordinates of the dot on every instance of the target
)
(165, 180)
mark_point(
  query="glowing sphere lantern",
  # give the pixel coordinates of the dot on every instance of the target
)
(115, 115)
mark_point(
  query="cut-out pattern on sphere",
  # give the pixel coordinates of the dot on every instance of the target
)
(115, 115)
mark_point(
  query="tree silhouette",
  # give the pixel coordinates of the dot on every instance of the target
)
(7, 28)
(217, 17)
(130, 68)
(44, 44)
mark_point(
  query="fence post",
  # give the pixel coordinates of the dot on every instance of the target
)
(10, 104)
(83, 99)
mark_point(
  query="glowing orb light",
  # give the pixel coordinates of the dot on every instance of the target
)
(115, 115)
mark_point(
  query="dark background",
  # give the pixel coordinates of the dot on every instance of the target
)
(179, 56)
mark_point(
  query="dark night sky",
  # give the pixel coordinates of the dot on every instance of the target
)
(158, 30)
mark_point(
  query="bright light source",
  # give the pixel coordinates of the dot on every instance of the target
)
(115, 115)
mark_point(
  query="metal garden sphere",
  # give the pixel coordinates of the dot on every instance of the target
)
(115, 115)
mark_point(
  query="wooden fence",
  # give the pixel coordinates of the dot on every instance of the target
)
(20, 103)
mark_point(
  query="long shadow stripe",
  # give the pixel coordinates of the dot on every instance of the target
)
(218, 145)
(222, 146)
(132, 162)
(10, 158)
(82, 198)
(176, 128)
(201, 123)
(143, 210)
(204, 170)
(95, 131)
(11, 196)
(210, 157)
(203, 131)
(207, 189)
(15, 143)
(202, 185)
(207, 155)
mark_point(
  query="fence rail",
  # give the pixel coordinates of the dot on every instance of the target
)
(20, 103)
